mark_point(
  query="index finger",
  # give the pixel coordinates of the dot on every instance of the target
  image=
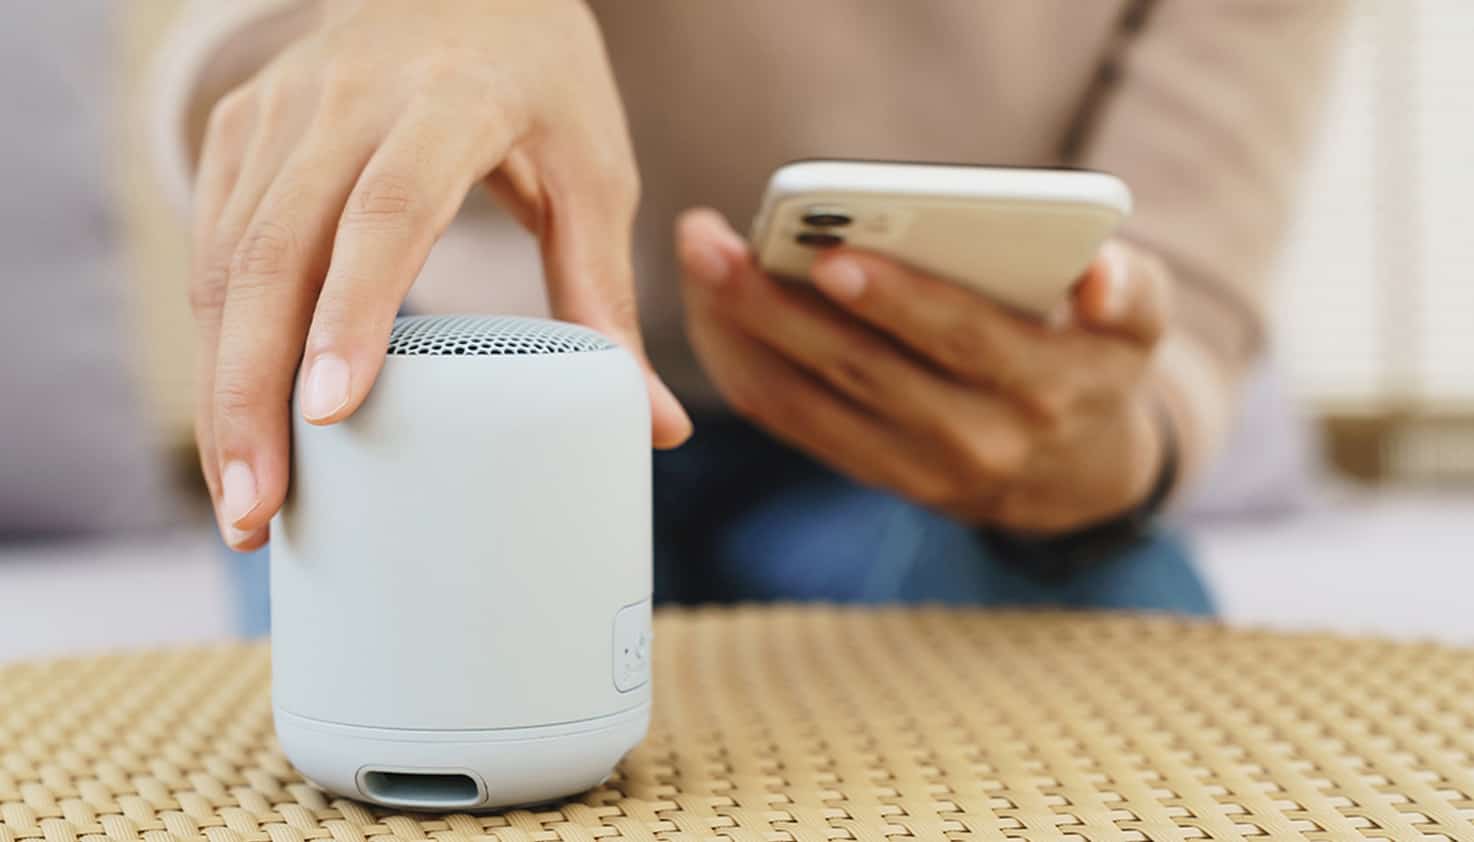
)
(274, 279)
(957, 329)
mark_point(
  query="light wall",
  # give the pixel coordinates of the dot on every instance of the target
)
(1377, 286)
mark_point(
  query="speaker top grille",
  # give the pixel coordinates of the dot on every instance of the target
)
(490, 336)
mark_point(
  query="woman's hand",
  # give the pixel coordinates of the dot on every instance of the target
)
(324, 181)
(913, 384)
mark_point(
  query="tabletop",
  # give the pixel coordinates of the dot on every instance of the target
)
(822, 723)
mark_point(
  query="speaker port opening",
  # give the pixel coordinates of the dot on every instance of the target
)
(433, 790)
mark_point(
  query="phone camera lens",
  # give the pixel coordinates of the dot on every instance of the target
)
(818, 239)
(826, 218)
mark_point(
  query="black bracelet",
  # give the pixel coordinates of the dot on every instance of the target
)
(1054, 557)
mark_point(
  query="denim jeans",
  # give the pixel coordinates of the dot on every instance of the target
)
(739, 516)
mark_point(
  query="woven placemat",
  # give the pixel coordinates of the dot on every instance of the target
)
(817, 724)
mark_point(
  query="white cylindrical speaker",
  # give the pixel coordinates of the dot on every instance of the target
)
(461, 574)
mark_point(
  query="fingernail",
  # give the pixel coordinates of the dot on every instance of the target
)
(1060, 317)
(841, 278)
(708, 265)
(235, 537)
(326, 388)
(238, 487)
(1114, 257)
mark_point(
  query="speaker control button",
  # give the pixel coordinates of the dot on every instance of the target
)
(633, 638)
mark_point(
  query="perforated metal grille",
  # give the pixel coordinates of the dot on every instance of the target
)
(483, 336)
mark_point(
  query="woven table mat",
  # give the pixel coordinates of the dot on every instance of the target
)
(806, 724)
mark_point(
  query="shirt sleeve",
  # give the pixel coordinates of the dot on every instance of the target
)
(213, 46)
(1207, 119)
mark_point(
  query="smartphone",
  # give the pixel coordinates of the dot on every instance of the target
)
(1020, 236)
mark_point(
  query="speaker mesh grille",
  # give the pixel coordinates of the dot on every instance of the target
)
(486, 336)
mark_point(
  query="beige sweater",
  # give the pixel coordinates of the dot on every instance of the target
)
(1202, 106)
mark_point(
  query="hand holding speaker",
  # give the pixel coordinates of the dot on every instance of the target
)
(324, 181)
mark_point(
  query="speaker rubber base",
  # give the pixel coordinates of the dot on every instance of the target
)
(435, 770)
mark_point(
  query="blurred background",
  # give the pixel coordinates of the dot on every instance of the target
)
(1367, 526)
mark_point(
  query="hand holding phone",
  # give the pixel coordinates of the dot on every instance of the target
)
(1020, 236)
(905, 378)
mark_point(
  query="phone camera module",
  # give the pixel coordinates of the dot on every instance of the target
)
(818, 239)
(826, 218)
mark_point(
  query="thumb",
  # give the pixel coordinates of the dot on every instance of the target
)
(1125, 293)
(585, 244)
